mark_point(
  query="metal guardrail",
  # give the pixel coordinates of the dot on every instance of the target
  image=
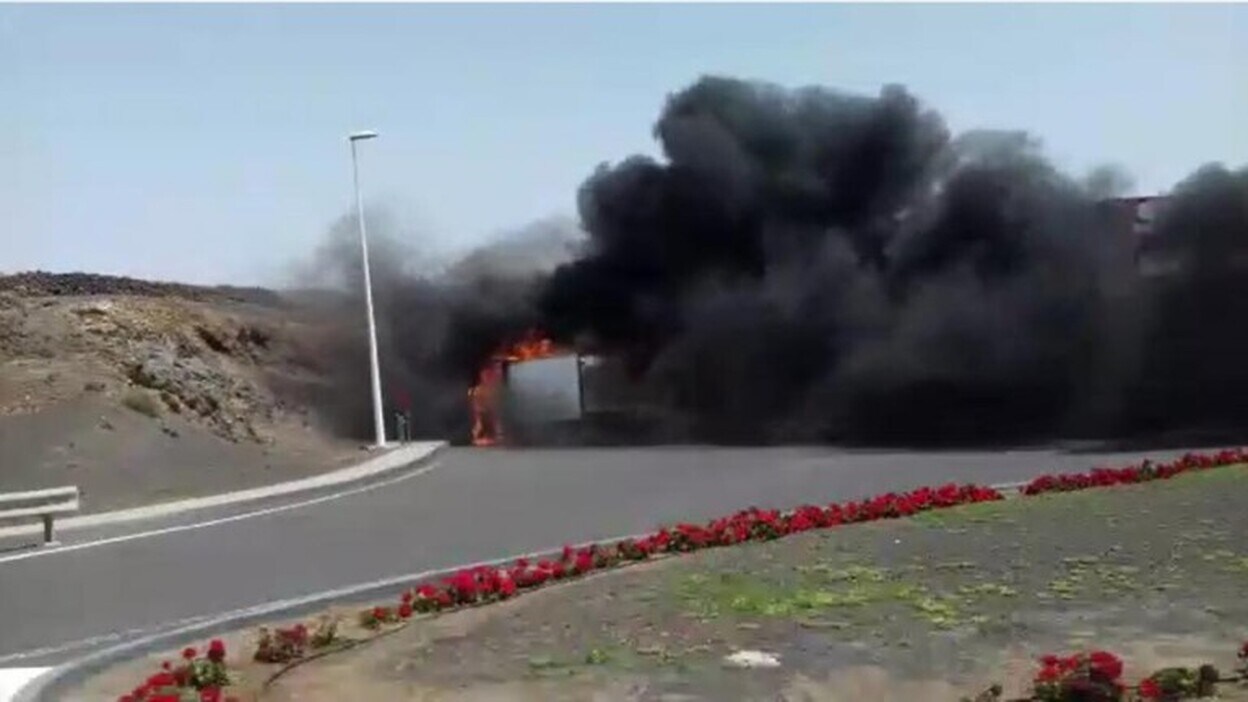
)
(44, 504)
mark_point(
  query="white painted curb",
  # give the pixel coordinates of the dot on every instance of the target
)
(400, 456)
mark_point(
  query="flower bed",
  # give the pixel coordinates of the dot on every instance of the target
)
(485, 584)
(195, 679)
(1142, 472)
(1097, 677)
(489, 583)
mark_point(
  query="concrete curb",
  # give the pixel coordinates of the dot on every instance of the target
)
(57, 681)
(401, 456)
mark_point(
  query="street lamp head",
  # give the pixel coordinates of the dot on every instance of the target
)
(358, 136)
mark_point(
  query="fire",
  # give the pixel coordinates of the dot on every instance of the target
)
(487, 430)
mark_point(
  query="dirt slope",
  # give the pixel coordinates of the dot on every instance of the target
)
(140, 391)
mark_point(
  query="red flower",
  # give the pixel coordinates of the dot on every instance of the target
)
(406, 597)
(162, 679)
(489, 583)
(508, 587)
(166, 665)
(584, 563)
(1106, 664)
(1149, 689)
(216, 650)
(464, 585)
(405, 610)
(1049, 674)
(210, 694)
(188, 653)
(800, 522)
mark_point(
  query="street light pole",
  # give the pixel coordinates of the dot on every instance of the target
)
(374, 366)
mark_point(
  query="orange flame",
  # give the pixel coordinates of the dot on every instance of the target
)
(487, 430)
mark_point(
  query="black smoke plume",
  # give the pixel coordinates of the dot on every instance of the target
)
(1195, 374)
(437, 322)
(810, 265)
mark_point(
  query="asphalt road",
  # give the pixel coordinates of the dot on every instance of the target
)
(473, 505)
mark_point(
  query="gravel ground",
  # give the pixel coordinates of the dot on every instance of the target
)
(927, 608)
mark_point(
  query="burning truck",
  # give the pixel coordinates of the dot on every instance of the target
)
(810, 265)
(536, 391)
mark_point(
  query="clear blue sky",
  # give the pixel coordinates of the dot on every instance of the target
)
(205, 143)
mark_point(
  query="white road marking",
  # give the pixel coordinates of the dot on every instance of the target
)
(215, 522)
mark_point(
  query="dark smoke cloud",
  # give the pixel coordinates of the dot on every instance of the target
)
(1195, 373)
(813, 265)
(437, 321)
(810, 265)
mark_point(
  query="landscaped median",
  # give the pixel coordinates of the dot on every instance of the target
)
(881, 584)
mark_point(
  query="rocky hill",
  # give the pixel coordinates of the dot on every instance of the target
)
(207, 388)
(42, 283)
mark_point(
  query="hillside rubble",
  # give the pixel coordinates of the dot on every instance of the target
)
(206, 354)
(42, 283)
